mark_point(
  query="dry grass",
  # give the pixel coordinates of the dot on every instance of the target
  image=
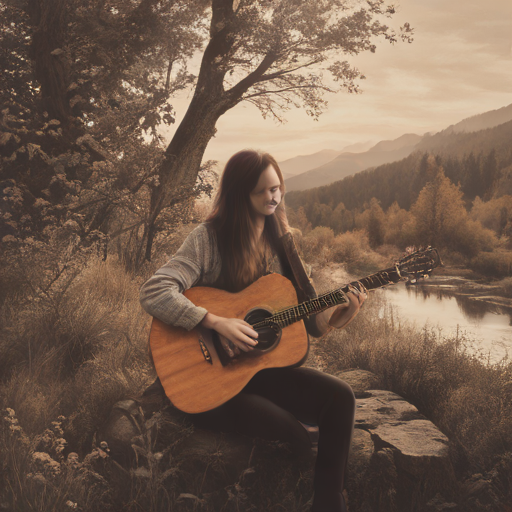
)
(79, 348)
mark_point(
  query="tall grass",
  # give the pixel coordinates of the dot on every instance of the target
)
(78, 354)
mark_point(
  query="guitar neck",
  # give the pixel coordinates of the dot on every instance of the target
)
(327, 300)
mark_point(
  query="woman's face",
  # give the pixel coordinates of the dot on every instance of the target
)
(266, 195)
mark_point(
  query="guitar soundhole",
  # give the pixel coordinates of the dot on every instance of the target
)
(268, 336)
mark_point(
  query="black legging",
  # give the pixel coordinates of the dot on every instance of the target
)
(269, 407)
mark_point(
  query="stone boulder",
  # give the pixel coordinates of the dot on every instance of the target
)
(399, 460)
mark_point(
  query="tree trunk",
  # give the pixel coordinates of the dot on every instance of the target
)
(51, 62)
(178, 173)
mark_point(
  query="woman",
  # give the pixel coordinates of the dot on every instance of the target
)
(238, 243)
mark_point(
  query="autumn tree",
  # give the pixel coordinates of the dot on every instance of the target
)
(342, 219)
(83, 85)
(395, 221)
(376, 224)
(440, 217)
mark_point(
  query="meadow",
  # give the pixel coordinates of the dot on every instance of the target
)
(74, 342)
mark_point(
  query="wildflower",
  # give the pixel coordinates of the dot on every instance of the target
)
(57, 428)
(48, 463)
(38, 477)
(46, 437)
(73, 458)
(60, 445)
(141, 472)
(41, 457)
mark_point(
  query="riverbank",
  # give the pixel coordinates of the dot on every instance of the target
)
(465, 394)
(467, 280)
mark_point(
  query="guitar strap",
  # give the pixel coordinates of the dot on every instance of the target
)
(293, 268)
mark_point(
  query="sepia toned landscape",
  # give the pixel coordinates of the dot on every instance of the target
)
(392, 125)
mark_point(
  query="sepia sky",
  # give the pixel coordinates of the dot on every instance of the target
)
(459, 65)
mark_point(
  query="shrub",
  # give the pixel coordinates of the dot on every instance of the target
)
(496, 264)
(353, 250)
(316, 245)
(40, 477)
(76, 355)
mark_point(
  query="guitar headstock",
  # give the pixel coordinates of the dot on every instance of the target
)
(419, 263)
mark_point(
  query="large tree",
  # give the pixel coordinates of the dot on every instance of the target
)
(272, 54)
(83, 80)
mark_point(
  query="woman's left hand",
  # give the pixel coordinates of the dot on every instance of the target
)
(345, 313)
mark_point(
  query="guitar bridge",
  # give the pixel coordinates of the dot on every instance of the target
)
(205, 351)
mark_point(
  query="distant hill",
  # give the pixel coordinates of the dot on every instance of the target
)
(458, 144)
(482, 121)
(303, 163)
(481, 162)
(349, 163)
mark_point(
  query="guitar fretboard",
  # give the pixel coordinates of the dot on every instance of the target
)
(293, 314)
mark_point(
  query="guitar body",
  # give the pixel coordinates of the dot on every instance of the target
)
(194, 372)
(194, 369)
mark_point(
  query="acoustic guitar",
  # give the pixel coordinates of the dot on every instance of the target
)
(193, 367)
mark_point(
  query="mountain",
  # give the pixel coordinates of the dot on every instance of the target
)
(482, 121)
(303, 163)
(349, 163)
(459, 144)
(480, 162)
(358, 147)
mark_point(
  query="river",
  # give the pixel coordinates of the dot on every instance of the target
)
(451, 305)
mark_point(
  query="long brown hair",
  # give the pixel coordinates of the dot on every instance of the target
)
(233, 220)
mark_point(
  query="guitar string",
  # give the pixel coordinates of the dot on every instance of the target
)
(380, 279)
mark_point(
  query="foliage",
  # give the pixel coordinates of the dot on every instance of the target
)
(495, 264)
(41, 477)
(352, 249)
(481, 169)
(495, 214)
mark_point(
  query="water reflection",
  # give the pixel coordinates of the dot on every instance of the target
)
(454, 311)
(472, 308)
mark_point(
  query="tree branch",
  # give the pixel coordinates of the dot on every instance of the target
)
(286, 89)
(277, 74)
(241, 87)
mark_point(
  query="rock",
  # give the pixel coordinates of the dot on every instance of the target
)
(118, 431)
(399, 460)
(359, 380)
(379, 406)
(420, 438)
(409, 453)
(361, 451)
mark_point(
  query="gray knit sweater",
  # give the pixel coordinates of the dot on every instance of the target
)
(196, 263)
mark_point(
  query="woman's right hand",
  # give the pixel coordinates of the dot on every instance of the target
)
(235, 334)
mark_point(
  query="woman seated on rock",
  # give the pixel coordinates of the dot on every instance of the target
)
(239, 243)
